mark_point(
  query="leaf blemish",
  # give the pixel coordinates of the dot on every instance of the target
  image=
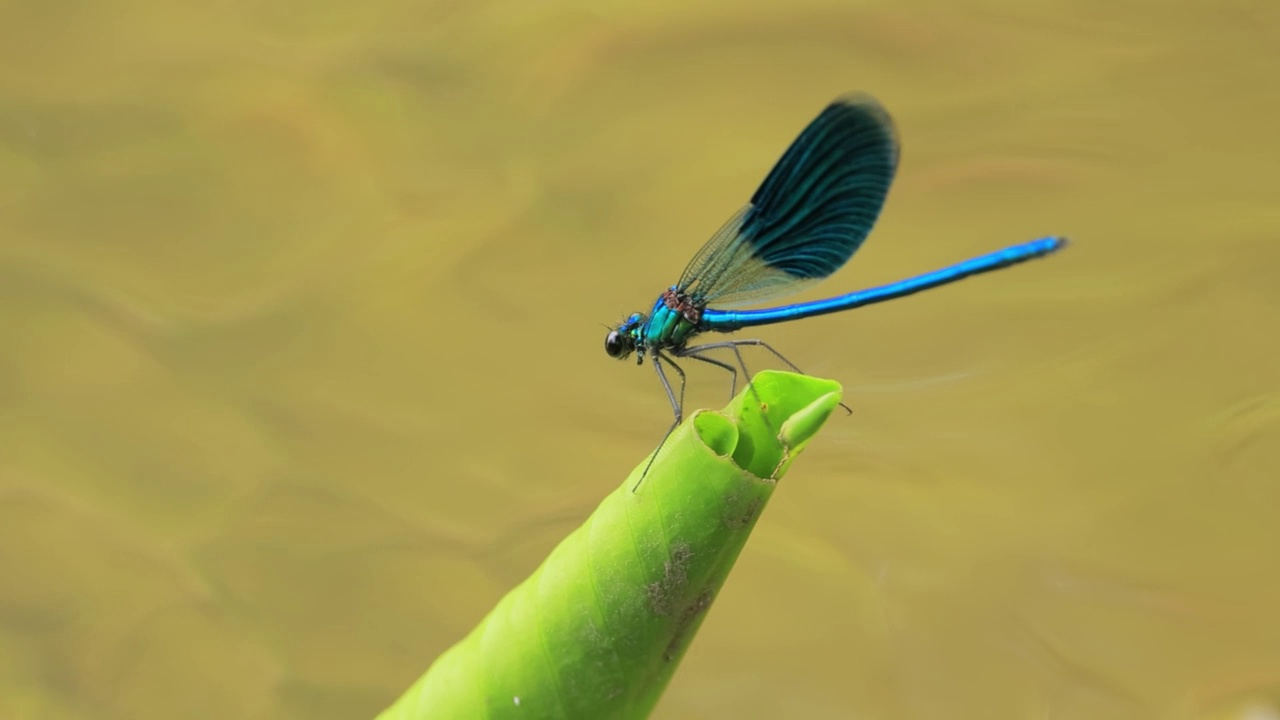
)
(688, 618)
(737, 516)
(665, 593)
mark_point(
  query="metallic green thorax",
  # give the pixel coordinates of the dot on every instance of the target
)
(668, 326)
(674, 319)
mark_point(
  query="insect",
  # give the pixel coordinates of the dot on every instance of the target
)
(812, 212)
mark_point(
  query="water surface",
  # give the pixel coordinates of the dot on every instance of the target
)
(302, 361)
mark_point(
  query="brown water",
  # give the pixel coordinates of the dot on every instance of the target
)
(301, 361)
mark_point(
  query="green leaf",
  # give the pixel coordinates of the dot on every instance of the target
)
(598, 630)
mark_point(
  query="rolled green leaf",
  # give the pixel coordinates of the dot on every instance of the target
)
(597, 631)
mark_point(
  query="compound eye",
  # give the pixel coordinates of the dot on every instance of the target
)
(615, 346)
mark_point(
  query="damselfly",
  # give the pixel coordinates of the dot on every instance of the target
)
(805, 221)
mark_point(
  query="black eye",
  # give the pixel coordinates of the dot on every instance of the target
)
(615, 345)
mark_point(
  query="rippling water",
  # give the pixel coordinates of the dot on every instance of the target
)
(302, 360)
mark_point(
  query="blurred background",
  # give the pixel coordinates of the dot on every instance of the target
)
(301, 348)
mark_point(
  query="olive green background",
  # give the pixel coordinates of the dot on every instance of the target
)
(301, 348)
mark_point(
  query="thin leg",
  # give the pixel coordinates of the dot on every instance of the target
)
(735, 344)
(694, 352)
(784, 359)
(733, 371)
(697, 350)
(677, 407)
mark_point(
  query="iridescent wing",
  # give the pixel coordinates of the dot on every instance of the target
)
(808, 217)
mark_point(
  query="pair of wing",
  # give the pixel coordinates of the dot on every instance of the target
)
(810, 214)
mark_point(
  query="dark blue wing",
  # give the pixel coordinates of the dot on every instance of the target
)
(810, 215)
